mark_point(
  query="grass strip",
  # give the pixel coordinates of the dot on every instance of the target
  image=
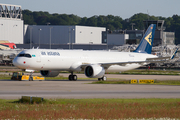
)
(91, 109)
(156, 82)
(151, 72)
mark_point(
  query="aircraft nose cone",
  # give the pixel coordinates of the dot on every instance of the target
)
(20, 63)
(15, 63)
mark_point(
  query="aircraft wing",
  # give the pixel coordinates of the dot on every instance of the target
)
(164, 58)
(159, 59)
(147, 61)
(107, 65)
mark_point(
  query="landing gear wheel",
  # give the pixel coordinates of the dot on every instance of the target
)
(104, 78)
(72, 77)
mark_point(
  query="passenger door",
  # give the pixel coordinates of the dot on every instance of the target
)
(38, 57)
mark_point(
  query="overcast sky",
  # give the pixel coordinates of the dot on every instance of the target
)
(88, 8)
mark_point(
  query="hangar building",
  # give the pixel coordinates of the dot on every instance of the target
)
(49, 34)
(11, 23)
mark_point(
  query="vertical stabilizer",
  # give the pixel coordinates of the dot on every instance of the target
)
(146, 43)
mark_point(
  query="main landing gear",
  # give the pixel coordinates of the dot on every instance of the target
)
(72, 77)
(104, 78)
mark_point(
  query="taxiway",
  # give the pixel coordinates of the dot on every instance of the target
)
(82, 89)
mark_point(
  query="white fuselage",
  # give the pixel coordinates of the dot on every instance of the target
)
(71, 60)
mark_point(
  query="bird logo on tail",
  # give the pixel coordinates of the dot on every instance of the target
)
(148, 38)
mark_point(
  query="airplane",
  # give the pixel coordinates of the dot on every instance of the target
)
(94, 63)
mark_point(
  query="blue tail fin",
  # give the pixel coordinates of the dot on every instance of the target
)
(145, 45)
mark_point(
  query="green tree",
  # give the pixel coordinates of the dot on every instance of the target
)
(100, 21)
(92, 21)
(175, 26)
(111, 22)
(28, 17)
(83, 21)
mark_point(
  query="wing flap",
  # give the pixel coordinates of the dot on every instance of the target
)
(159, 58)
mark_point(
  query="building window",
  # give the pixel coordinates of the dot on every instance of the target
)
(104, 37)
(138, 35)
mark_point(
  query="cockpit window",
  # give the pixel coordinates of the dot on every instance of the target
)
(24, 55)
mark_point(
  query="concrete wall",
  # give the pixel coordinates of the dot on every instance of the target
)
(88, 35)
(11, 30)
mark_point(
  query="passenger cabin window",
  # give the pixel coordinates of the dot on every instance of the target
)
(24, 55)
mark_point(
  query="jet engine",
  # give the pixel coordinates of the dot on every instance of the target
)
(94, 71)
(49, 73)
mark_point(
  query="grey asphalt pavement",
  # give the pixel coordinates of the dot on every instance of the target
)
(81, 89)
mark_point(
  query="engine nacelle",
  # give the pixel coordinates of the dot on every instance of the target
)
(76, 66)
(94, 71)
(49, 73)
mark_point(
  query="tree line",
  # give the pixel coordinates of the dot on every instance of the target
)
(111, 22)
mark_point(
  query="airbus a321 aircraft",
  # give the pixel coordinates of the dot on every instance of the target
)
(93, 63)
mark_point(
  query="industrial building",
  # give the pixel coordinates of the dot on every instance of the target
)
(45, 34)
(161, 37)
(115, 38)
(11, 23)
(76, 37)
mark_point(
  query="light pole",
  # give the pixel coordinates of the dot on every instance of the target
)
(30, 37)
(107, 39)
(90, 43)
(39, 36)
(72, 38)
(69, 38)
(50, 38)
